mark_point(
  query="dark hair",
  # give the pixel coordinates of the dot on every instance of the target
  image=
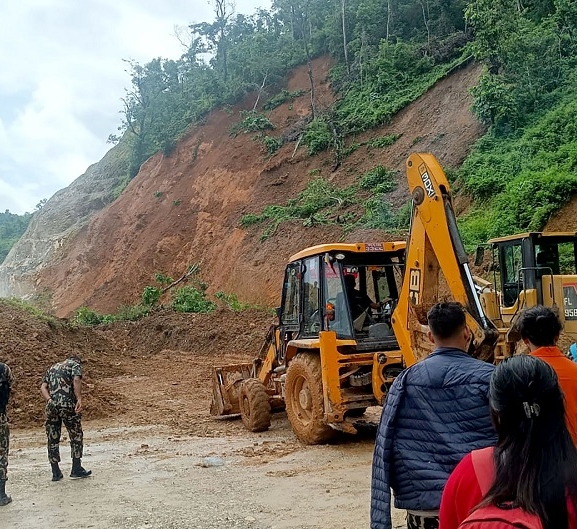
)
(350, 281)
(75, 357)
(446, 319)
(540, 325)
(535, 460)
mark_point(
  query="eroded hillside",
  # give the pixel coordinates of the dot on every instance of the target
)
(186, 208)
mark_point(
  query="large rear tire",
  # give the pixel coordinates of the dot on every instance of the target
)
(304, 399)
(254, 405)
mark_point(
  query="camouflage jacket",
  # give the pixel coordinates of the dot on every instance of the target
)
(5, 383)
(60, 381)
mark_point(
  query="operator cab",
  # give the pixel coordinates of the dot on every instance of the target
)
(316, 297)
(536, 268)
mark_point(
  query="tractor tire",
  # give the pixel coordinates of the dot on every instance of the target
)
(304, 400)
(254, 405)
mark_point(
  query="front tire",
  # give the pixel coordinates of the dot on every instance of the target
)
(254, 405)
(304, 399)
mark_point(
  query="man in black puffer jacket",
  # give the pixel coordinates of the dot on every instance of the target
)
(436, 412)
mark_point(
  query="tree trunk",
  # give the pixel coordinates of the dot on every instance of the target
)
(260, 91)
(312, 81)
(426, 21)
(388, 20)
(345, 36)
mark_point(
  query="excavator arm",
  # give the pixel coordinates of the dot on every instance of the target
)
(436, 266)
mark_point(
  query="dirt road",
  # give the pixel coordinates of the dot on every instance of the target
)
(145, 477)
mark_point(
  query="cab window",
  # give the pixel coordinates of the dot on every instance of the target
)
(291, 298)
(511, 258)
(338, 315)
(311, 296)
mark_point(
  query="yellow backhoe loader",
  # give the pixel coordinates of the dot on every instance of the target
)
(352, 316)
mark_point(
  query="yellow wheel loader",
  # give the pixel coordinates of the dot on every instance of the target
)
(352, 316)
(319, 361)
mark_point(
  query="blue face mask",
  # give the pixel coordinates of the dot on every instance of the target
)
(573, 352)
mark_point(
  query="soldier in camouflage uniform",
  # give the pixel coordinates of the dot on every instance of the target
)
(62, 389)
(5, 384)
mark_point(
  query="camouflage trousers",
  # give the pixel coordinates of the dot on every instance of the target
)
(4, 446)
(55, 416)
(421, 522)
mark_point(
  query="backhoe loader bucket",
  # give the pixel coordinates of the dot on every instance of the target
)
(225, 387)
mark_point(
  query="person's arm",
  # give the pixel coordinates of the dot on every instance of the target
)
(382, 460)
(45, 392)
(77, 381)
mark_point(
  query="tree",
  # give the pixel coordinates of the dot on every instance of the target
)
(223, 9)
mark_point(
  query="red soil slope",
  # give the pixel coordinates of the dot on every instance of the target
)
(186, 208)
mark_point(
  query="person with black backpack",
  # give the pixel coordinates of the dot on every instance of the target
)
(529, 480)
(5, 385)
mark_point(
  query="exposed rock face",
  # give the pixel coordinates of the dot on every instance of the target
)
(61, 217)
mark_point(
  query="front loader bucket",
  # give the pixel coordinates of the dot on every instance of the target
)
(225, 387)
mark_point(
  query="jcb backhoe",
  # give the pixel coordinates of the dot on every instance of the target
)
(336, 349)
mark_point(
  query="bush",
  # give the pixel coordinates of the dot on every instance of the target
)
(86, 316)
(379, 214)
(282, 97)
(383, 141)
(251, 121)
(379, 180)
(519, 180)
(318, 136)
(151, 295)
(313, 205)
(271, 144)
(192, 299)
(231, 301)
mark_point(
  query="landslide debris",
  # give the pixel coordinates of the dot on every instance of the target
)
(132, 369)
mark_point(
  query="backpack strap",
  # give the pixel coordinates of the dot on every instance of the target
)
(484, 467)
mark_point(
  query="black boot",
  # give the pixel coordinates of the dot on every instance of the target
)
(56, 472)
(4, 499)
(77, 470)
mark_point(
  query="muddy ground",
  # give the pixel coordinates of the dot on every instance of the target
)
(151, 477)
(159, 459)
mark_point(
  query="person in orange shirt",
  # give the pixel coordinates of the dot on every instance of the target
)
(540, 328)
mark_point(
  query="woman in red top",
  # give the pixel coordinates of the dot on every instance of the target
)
(535, 462)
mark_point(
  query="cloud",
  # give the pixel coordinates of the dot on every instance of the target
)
(62, 80)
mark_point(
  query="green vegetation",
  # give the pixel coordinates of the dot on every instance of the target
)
(519, 180)
(282, 97)
(323, 202)
(318, 136)
(192, 299)
(12, 227)
(379, 180)
(314, 205)
(31, 308)
(386, 54)
(251, 122)
(189, 298)
(271, 143)
(383, 141)
(524, 169)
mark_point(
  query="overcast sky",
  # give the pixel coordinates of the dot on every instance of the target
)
(62, 77)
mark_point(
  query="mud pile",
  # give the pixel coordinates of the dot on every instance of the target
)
(163, 349)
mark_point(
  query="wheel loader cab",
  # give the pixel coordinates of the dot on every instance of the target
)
(315, 296)
(537, 268)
